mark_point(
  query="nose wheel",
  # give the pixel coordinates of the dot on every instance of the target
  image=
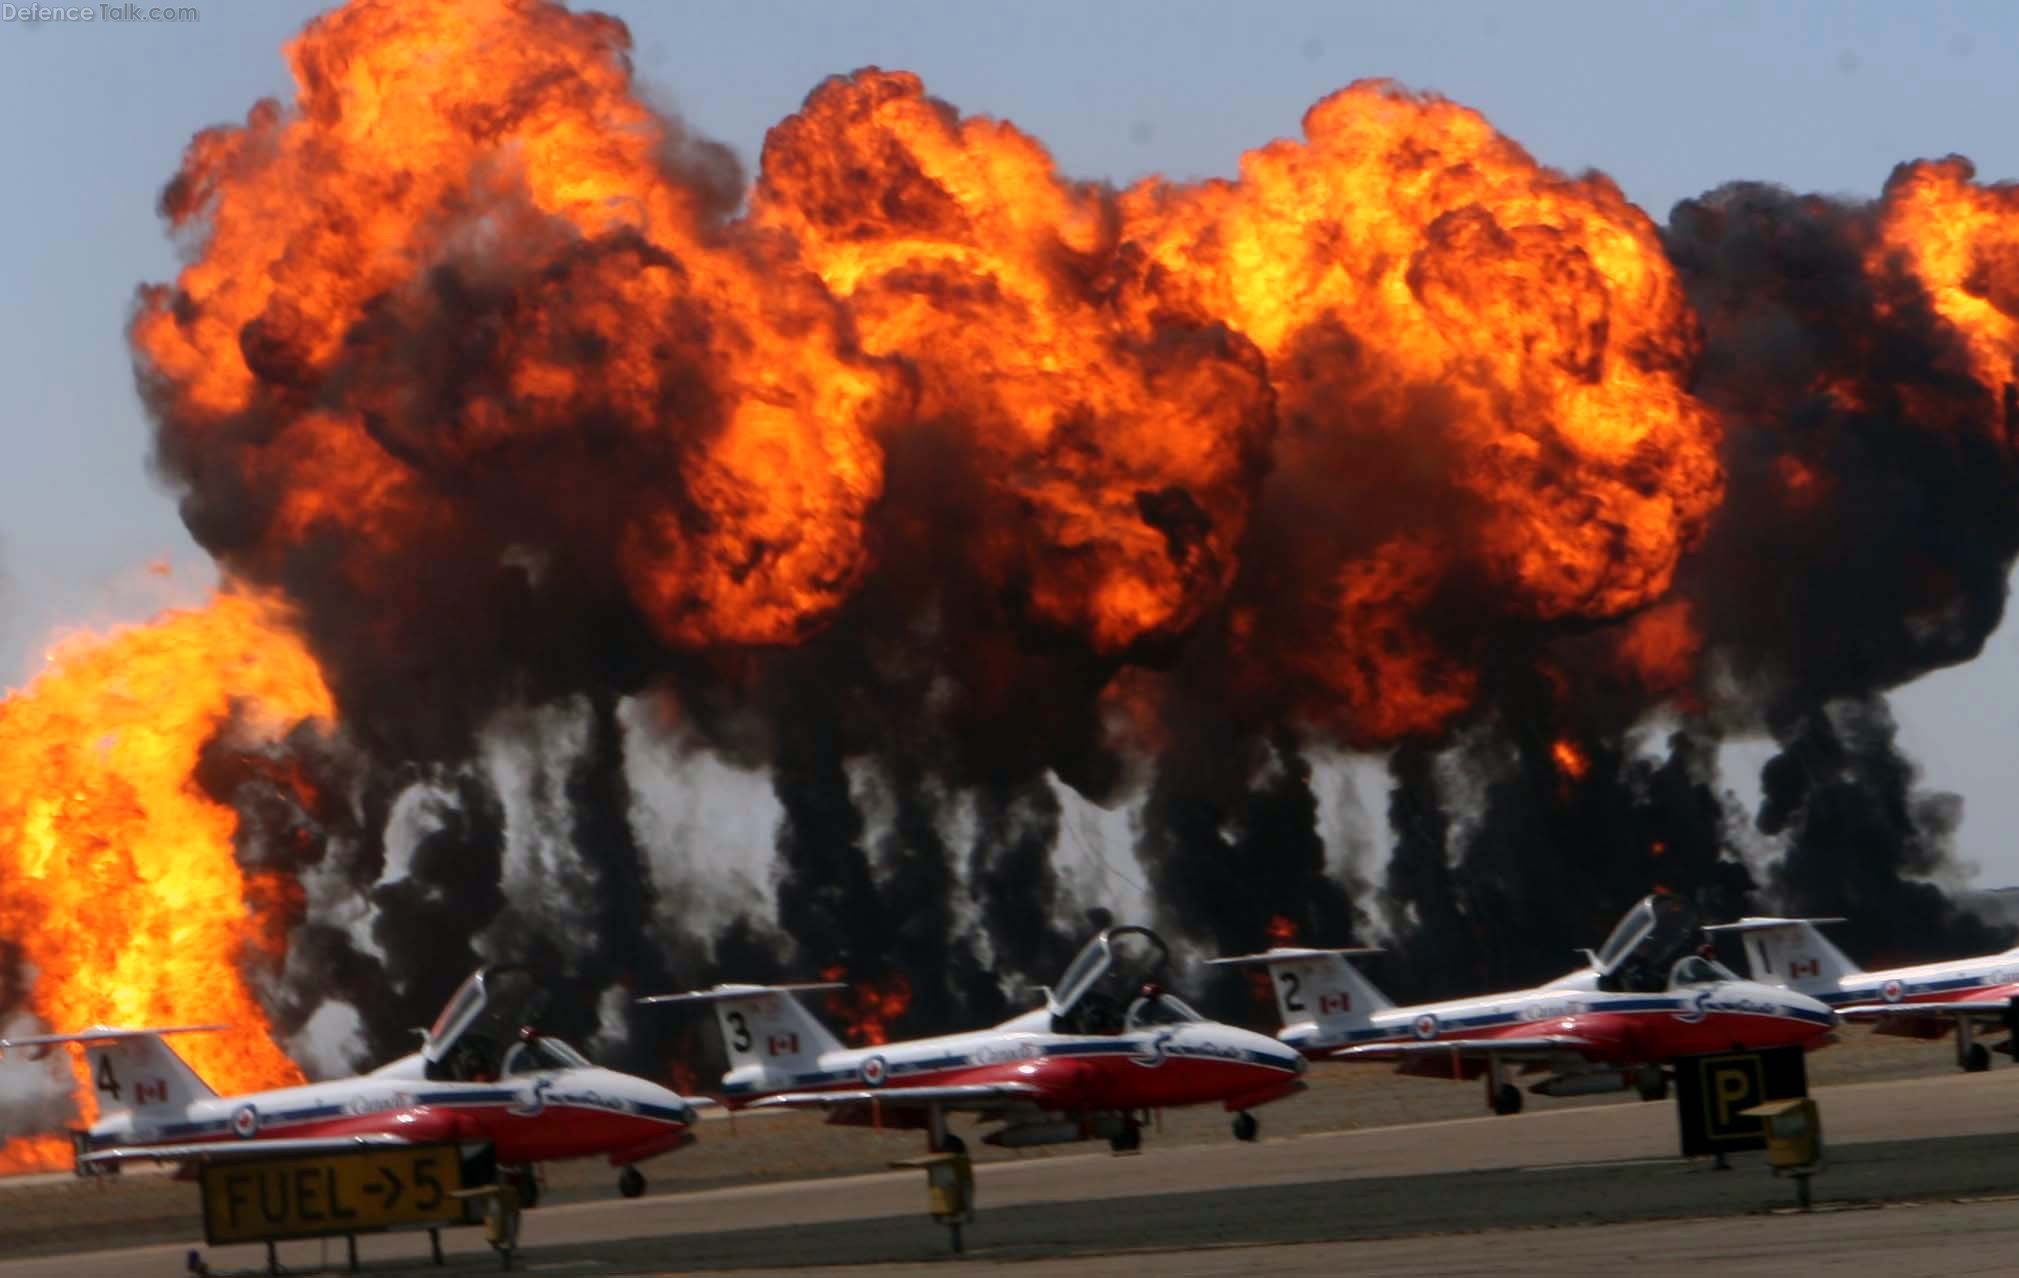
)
(1129, 1139)
(527, 1185)
(1652, 1084)
(1246, 1126)
(631, 1182)
(1507, 1099)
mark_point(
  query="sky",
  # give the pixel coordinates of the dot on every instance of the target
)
(1669, 99)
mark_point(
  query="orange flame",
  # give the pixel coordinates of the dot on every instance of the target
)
(1406, 265)
(1961, 240)
(117, 877)
(1281, 930)
(494, 139)
(1570, 760)
(1660, 645)
(1123, 435)
(25, 1154)
(1117, 372)
(866, 1009)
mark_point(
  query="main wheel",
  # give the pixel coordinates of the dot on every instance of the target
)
(1246, 1126)
(1507, 1099)
(527, 1186)
(952, 1145)
(1129, 1139)
(631, 1182)
(1977, 1059)
(1652, 1084)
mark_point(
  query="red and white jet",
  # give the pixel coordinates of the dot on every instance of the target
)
(1607, 1027)
(478, 1078)
(1923, 1001)
(1108, 1044)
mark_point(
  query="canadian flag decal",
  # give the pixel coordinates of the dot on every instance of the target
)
(152, 1091)
(1805, 967)
(1333, 1003)
(783, 1044)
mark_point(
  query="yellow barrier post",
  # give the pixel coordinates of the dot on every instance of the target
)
(949, 1189)
(501, 1217)
(1794, 1140)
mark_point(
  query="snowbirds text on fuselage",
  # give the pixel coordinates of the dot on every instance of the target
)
(1607, 1027)
(1923, 1001)
(1108, 1045)
(478, 1078)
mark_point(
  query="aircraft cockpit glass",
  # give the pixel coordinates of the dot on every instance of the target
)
(1634, 957)
(1697, 970)
(458, 1012)
(1162, 1009)
(541, 1055)
(1631, 930)
(467, 1041)
(1105, 978)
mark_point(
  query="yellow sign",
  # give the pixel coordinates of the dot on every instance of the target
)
(259, 1200)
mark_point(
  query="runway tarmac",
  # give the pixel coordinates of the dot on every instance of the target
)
(1312, 1202)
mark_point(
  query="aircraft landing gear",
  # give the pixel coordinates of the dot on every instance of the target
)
(1971, 1056)
(631, 1182)
(1652, 1083)
(526, 1184)
(1130, 1138)
(1502, 1097)
(1246, 1126)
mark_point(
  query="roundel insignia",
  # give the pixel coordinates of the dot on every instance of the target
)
(1425, 1026)
(1890, 991)
(245, 1121)
(874, 1070)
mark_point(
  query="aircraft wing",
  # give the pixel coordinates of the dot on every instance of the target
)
(953, 1095)
(1974, 1007)
(238, 1150)
(1541, 1046)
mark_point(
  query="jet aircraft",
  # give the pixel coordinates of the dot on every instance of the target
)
(479, 1077)
(1109, 1044)
(1606, 1027)
(1923, 1001)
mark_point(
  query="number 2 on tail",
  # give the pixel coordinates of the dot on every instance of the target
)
(1291, 1003)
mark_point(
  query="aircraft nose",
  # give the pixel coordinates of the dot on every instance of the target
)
(664, 1103)
(681, 1109)
(1272, 1051)
(1813, 1008)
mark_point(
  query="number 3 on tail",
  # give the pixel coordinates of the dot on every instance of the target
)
(107, 1080)
(741, 1040)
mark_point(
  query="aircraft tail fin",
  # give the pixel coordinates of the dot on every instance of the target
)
(1791, 952)
(764, 1025)
(1317, 990)
(132, 1069)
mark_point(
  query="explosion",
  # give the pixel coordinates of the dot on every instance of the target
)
(1484, 361)
(865, 1008)
(118, 883)
(931, 482)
